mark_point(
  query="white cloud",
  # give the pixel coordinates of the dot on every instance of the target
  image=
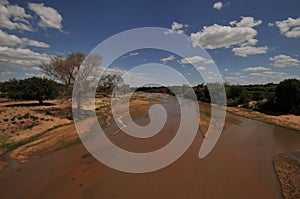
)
(239, 33)
(13, 17)
(177, 27)
(49, 17)
(249, 50)
(4, 2)
(255, 69)
(259, 78)
(7, 73)
(226, 69)
(209, 61)
(134, 54)
(36, 68)
(200, 68)
(13, 40)
(132, 78)
(268, 74)
(21, 57)
(192, 60)
(218, 5)
(217, 36)
(282, 61)
(195, 59)
(29, 74)
(289, 27)
(166, 59)
(250, 42)
(246, 22)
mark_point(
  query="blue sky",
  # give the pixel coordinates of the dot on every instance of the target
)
(250, 41)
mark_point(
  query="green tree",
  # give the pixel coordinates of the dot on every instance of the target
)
(288, 96)
(34, 88)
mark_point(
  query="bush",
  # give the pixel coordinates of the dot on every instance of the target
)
(288, 96)
(34, 88)
(232, 102)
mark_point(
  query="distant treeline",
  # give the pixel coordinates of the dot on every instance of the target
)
(269, 98)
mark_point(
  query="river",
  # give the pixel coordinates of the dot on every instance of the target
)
(240, 166)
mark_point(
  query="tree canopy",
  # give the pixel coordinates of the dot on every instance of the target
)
(34, 88)
(288, 96)
(64, 69)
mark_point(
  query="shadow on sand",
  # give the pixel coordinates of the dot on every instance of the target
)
(30, 104)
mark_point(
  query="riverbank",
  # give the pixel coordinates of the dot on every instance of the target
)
(30, 131)
(287, 121)
(287, 168)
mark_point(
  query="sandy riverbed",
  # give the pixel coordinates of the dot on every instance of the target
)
(240, 166)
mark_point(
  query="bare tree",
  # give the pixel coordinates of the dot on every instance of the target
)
(86, 82)
(64, 69)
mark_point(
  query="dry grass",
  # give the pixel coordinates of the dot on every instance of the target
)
(31, 131)
(20, 122)
(287, 121)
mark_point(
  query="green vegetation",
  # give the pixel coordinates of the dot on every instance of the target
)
(269, 98)
(34, 88)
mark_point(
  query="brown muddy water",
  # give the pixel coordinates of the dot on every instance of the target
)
(240, 166)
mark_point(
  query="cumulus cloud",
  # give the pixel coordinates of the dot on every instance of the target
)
(49, 17)
(289, 27)
(13, 17)
(19, 57)
(255, 69)
(13, 40)
(246, 22)
(166, 59)
(217, 36)
(282, 61)
(218, 5)
(177, 27)
(240, 36)
(249, 50)
(250, 42)
(195, 59)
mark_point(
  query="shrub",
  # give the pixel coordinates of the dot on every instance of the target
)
(31, 89)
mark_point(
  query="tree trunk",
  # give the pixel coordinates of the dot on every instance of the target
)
(79, 104)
